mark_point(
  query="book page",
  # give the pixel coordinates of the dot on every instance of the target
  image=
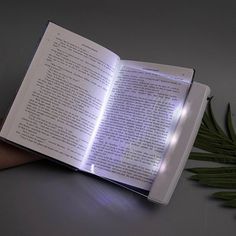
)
(60, 99)
(137, 125)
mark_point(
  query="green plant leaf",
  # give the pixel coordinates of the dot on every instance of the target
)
(224, 195)
(212, 170)
(226, 183)
(214, 176)
(214, 138)
(231, 203)
(213, 120)
(214, 157)
(229, 125)
(207, 122)
(214, 148)
(220, 147)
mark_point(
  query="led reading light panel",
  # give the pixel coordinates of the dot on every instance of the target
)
(138, 117)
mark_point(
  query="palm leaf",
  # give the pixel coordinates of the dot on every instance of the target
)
(215, 157)
(229, 125)
(214, 176)
(224, 195)
(213, 120)
(212, 170)
(231, 203)
(220, 147)
(226, 183)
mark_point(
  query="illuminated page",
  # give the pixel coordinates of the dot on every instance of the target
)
(138, 122)
(60, 99)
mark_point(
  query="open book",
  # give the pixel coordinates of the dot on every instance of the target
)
(80, 104)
